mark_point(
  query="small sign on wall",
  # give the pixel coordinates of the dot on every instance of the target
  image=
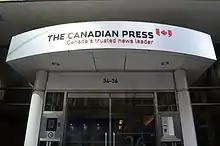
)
(110, 80)
(50, 134)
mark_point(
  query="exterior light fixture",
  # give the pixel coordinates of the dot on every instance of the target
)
(55, 64)
(165, 63)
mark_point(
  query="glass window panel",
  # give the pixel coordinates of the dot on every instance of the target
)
(171, 144)
(205, 96)
(54, 101)
(166, 101)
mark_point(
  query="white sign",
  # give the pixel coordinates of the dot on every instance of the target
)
(111, 35)
(167, 126)
(50, 134)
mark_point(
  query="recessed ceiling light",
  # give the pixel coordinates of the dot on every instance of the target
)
(55, 63)
(165, 63)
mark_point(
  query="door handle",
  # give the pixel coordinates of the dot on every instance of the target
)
(113, 138)
(106, 138)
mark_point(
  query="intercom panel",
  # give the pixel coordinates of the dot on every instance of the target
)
(52, 126)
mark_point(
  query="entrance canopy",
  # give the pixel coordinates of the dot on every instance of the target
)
(111, 46)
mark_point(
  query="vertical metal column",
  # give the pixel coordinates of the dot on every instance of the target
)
(110, 121)
(157, 124)
(65, 108)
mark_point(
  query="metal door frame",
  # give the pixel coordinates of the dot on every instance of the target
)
(111, 135)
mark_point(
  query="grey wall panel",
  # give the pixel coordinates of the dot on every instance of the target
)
(126, 81)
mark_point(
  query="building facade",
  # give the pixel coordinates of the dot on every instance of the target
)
(109, 73)
(111, 82)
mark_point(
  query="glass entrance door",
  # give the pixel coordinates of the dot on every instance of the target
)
(133, 120)
(110, 119)
(87, 119)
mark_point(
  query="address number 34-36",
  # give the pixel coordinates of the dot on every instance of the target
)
(113, 80)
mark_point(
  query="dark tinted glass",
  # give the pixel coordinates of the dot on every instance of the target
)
(166, 101)
(54, 101)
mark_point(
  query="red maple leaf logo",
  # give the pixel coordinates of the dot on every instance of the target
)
(164, 32)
